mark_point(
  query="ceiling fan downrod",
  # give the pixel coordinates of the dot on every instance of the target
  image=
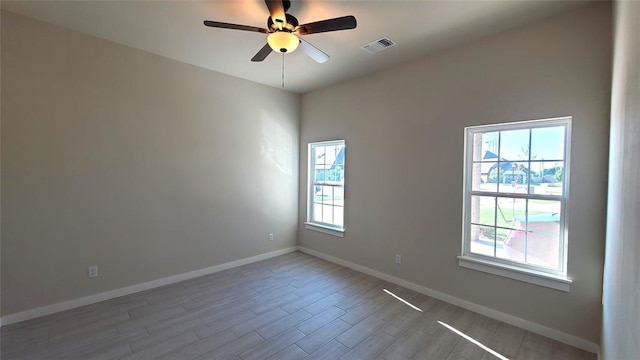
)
(283, 70)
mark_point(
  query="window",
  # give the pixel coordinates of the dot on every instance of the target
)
(326, 187)
(515, 200)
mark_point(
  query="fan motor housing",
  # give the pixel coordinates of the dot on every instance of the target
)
(290, 26)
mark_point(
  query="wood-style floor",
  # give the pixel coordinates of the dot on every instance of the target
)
(293, 306)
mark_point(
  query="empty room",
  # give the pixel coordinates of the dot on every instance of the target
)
(314, 179)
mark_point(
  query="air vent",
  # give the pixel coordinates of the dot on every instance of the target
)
(378, 45)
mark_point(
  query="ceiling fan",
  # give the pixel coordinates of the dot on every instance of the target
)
(284, 31)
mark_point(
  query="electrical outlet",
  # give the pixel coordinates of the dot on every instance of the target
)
(270, 238)
(92, 272)
(398, 259)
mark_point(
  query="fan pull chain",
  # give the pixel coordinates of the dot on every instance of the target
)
(283, 70)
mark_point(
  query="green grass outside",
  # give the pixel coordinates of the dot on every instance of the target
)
(326, 198)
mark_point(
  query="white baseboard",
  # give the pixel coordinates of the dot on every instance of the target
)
(509, 319)
(92, 299)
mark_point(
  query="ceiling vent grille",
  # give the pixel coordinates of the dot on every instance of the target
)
(378, 45)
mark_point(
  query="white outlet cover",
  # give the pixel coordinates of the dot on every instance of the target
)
(92, 272)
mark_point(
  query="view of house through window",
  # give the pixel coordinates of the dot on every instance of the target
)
(326, 184)
(515, 193)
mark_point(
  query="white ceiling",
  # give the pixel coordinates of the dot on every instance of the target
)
(174, 29)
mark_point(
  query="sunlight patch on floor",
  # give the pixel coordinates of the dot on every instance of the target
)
(474, 341)
(403, 300)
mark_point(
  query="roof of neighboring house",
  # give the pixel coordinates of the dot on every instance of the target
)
(505, 164)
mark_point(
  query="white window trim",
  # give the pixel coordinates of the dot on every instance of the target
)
(553, 279)
(309, 224)
(339, 232)
(514, 272)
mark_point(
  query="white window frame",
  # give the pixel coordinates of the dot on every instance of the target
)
(556, 279)
(310, 224)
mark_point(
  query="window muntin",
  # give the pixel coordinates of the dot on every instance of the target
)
(516, 184)
(326, 184)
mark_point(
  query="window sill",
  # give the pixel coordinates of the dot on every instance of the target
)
(557, 282)
(324, 229)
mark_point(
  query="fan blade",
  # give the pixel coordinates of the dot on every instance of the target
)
(313, 52)
(262, 54)
(276, 9)
(217, 24)
(341, 23)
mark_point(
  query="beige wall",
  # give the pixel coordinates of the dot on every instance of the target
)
(621, 305)
(0, 169)
(404, 136)
(142, 165)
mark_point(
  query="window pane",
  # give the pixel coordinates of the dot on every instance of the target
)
(536, 171)
(338, 216)
(336, 175)
(480, 180)
(317, 212)
(476, 176)
(503, 174)
(483, 210)
(543, 235)
(514, 217)
(326, 155)
(319, 196)
(535, 238)
(326, 195)
(321, 175)
(543, 207)
(514, 145)
(509, 213)
(547, 143)
(514, 177)
(515, 242)
(551, 179)
(319, 153)
(485, 146)
(512, 220)
(482, 240)
(327, 214)
(338, 196)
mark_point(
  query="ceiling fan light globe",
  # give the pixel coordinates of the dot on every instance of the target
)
(283, 42)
